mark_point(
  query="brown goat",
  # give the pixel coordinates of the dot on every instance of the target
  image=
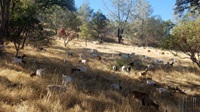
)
(137, 94)
(148, 102)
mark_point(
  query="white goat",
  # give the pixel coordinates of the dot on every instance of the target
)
(158, 61)
(83, 61)
(114, 68)
(123, 68)
(66, 79)
(40, 72)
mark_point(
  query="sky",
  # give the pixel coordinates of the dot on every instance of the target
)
(164, 8)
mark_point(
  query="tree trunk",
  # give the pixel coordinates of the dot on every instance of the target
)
(194, 59)
(119, 34)
(5, 4)
(23, 43)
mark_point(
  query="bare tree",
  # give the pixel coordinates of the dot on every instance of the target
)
(120, 12)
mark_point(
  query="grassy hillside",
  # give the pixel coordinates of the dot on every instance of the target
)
(91, 91)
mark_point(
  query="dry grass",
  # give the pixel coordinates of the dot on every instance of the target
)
(91, 91)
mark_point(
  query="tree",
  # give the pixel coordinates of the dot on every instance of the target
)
(7, 6)
(142, 13)
(120, 11)
(4, 5)
(22, 22)
(188, 5)
(186, 38)
(85, 32)
(85, 12)
(99, 23)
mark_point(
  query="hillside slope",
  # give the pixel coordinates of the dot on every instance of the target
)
(92, 91)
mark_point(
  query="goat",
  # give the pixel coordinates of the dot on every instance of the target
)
(18, 60)
(116, 86)
(123, 68)
(163, 91)
(38, 72)
(131, 64)
(143, 58)
(132, 55)
(124, 56)
(158, 61)
(21, 57)
(55, 89)
(150, 66)
(150, 82)
(114, 68)
(146, 101)
(83, 61)
(138, 94)
(128, 69)
(66, 79)
(79, 69)
(143, 74)
(169, 64)
(70, 53)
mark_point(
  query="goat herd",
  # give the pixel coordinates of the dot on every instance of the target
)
(142, 96)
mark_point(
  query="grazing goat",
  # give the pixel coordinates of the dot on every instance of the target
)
(123, 68)
(150, 66)
(114, 68)
(124, 56)
(176, 89)
(144, 58)
(169, 64)
(137, 94)
(131, 64)
(70, 53)
(143, 74)
(18, 60)
(150, 82)
(158, 61)
(21, 57)
(38, 72)
(83, 61)
(116, 86)
(128, 69)
(146, 101)
(66, 79)
(79, 69)
(163, 91)
(55, 89)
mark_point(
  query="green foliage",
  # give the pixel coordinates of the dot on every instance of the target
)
(188, 5)
(85, 12)
(85, 31)
(186, 38)
(66, 4)
(99, 23)
(150, 32)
